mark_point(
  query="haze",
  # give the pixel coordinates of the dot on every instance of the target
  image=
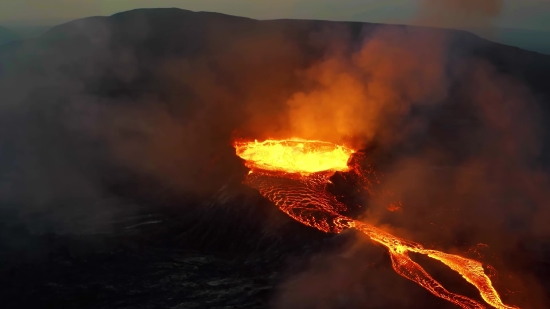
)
(522, 14)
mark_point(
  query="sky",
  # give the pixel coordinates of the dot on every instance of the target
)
(522, 14)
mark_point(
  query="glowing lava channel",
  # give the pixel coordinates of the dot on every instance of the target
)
(294, 174)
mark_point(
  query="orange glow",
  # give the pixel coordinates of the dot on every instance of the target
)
(305, 199)
(394, 207)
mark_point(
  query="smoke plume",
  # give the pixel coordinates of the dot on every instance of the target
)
(358, 95)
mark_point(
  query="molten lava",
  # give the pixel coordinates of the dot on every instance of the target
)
(294, 156)
(294, 175)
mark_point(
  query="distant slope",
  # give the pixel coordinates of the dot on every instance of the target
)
(534, 40)
(184, 33)
(7, 35)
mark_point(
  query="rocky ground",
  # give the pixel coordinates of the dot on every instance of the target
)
(232, 251)
(131, 278)
(146, 258)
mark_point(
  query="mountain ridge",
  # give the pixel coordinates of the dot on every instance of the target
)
(171, 22)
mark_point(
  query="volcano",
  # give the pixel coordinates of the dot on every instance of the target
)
(124, 185)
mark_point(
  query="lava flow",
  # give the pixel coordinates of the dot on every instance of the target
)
(294, 175)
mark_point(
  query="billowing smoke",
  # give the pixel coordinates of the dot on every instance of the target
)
(362, 94)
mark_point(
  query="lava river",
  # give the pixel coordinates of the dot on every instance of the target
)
(294, 174)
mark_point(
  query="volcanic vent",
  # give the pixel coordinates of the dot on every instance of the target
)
(294, 175)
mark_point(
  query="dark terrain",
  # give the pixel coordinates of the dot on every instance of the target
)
(119, 187)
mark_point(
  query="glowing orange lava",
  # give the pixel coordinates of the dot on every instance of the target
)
(294, 174)
(294, 156)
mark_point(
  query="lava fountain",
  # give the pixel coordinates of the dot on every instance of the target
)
(294, 174)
